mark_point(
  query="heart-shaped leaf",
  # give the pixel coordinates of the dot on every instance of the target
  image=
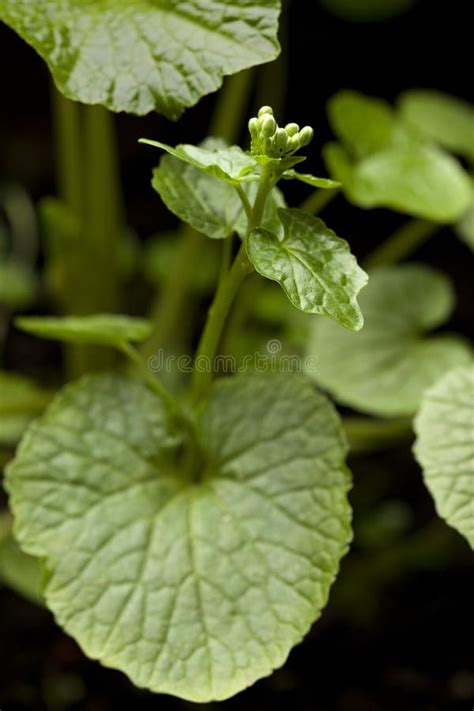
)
(211, 206)
(314, 267)
(445, 447)
(384, 369)
(101, 329)
(322, 183)
(228, 163)
(192, 586)
(145, 55)
(445, 119)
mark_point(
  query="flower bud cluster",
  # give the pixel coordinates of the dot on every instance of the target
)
(270, 140)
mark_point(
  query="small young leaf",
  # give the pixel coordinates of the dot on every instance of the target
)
(18, 285)
(384, 369)
(363, 123)
(228, 163)
(145, 55)
(314, 267)
(445, 447)
(100, 329)
(211, 206)
(445, 119)
(195, 588)
(323, 183)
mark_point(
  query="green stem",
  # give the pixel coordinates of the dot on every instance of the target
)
(68, 153)
(266, 184)
(317, 201)
(169, 305)
(152, 381)
(402, 243)
(88, 184)
(217, 316)
(226, 258)
(231, 106)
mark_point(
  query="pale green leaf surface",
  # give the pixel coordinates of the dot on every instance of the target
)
(385, 368)
(363, 123)
(445, 447)
(196, 589)
(100, 329)
(323, 183)
(211, 206)
(18, 285)
(228, 163)
(313, 266)
(145, 55)
(442, 118)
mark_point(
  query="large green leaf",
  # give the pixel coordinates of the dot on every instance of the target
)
(445, 447)
(384, 369)
(99, 329)
(228, 163)
(145, 55)
(211, 206)
(314, 267)
(443, 118)
(191, 586)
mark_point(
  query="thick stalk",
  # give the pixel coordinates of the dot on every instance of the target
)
(402, 243)
(88, 184)
(217, 316)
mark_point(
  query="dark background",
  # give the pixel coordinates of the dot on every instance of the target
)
(394, 636)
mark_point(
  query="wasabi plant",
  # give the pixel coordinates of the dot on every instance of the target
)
(187, 529)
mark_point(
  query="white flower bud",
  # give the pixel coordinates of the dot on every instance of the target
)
(292, 128)
(265, 110)
(305, 136)
(268, 126)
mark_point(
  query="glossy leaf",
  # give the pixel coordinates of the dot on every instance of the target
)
(314, 267)
(323, 183)
(145, 55)
(228, 163)
(445, 447)
(445, 119)
(211, 206)
(384, 369)
(195, 588)
(100, 329)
